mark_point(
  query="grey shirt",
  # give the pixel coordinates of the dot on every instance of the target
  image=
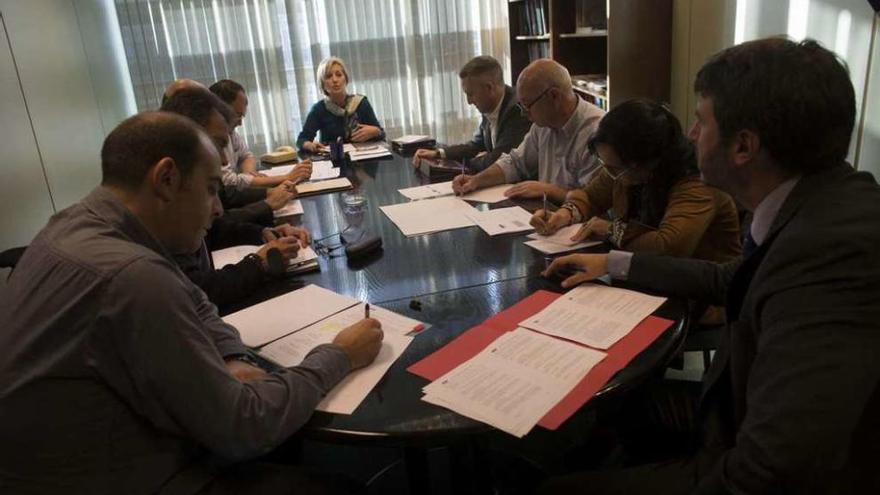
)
(556, 156)
(112, 377)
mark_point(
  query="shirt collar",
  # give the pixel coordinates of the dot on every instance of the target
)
(768, 208)
(493, 115)
(108, 207)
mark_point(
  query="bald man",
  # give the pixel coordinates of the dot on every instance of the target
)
(553, 157)
(179, 84)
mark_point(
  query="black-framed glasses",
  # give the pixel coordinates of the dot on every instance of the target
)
(525, 107)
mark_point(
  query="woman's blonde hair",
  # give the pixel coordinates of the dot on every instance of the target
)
(325, 66)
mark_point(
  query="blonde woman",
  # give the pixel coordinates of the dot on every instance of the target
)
(339, 114)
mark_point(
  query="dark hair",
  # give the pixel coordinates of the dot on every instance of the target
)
(645, 134)
(797, 97)
(227, 90)
(140, 141)
(198, 104)
(480, 66)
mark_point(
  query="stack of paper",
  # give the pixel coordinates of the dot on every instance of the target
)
(594, 315)
(351, 391)
(309, 188)
(360, 152)
(502, 220)
(306, 259)
(430, 215)
(493, 194)
(514, 381)
(293, 207)
(560, 242)
(412, 139)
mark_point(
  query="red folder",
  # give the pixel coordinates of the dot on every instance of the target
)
(474, 340)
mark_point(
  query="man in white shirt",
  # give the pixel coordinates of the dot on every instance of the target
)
(553, 157)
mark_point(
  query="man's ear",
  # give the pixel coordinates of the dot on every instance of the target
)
(745, 146)
(165, 178)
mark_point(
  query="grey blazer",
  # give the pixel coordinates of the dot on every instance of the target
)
(790, 403)
(512, 127)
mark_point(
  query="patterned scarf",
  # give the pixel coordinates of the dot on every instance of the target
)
(348, 112)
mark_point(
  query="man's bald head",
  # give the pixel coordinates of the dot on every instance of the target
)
(545, 73)
(180, 84)
(545, 94)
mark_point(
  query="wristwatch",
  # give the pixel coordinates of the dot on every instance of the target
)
(575, 213)
(244, 358)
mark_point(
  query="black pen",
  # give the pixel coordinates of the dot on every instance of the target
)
(367, 310)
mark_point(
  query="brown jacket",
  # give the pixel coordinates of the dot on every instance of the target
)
(699, 222)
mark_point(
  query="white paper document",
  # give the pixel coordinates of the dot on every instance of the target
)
(366, 151)
(411, 139)
(324, 169)
(351, 391)
(494, 194)
(594, 315)
(280, 316)
(515, 381)
(548, 247)
(560, 242)
(562, 236)
(430, 215)
(306, 257)
(428, 191)
(293, 207)
(502, 220)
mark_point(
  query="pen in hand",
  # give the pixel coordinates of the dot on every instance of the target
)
(545, 207)
(367, 310)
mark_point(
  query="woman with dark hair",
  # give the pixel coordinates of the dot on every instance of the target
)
(648, 195)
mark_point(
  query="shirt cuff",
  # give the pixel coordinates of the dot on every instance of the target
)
(619, 263)
(442, 152)
(511, 174)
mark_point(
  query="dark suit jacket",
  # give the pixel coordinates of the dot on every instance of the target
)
(512, 127)
(791, 402)
(225, 285)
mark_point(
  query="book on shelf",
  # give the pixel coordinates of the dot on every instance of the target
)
(533, 19)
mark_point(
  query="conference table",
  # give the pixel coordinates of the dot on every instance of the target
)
(451, 280)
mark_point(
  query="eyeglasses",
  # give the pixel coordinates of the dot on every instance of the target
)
(607, 169)
(525, 107)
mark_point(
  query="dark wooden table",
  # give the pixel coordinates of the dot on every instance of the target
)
(460, 278)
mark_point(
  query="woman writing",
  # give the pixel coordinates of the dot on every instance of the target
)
(648, 195)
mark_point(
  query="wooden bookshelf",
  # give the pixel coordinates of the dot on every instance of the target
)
(630, 43)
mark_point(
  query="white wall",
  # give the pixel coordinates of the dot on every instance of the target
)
(869, 152)
(70, 88)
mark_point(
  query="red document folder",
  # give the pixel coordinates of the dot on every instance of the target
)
(474, 340)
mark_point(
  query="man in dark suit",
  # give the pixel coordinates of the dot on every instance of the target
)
(503, 126)
(790, 403)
